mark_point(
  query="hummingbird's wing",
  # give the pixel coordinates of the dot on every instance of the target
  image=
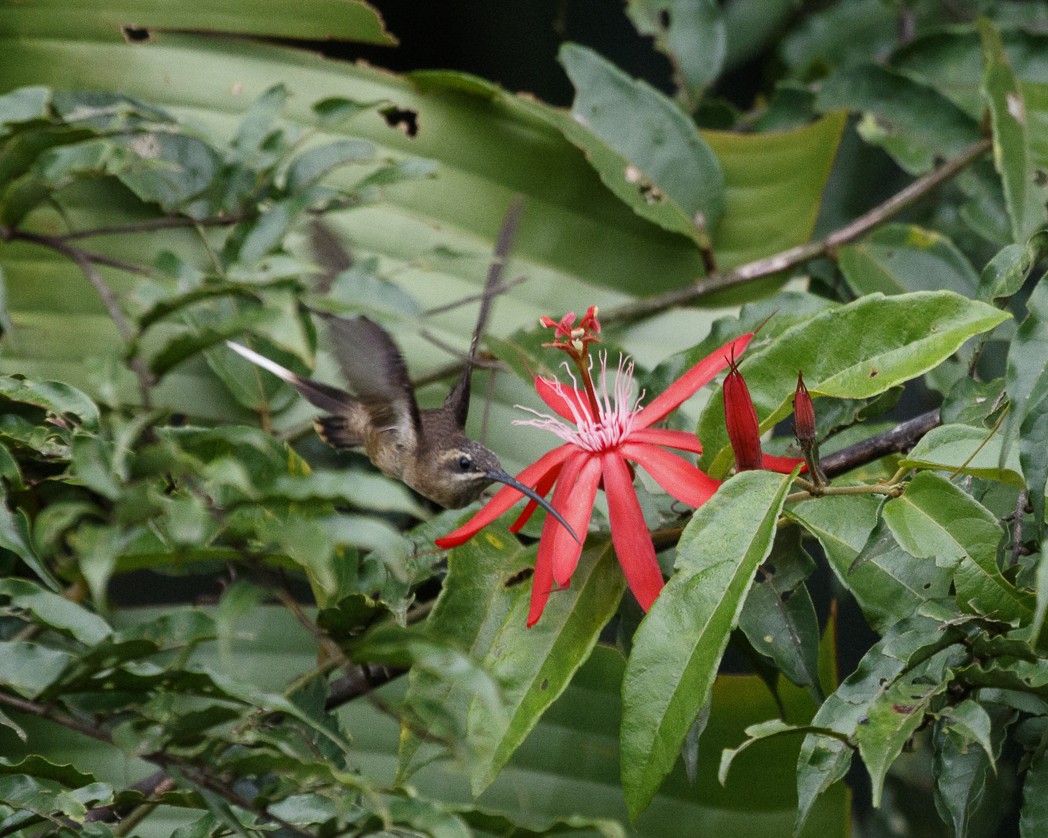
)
(375, 371)
(457, 401)
(330, 254)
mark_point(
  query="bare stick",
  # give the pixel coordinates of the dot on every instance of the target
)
(805, 252)
(171, 222)
(900, 438)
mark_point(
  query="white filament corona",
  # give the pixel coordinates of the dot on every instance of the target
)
(616, 409)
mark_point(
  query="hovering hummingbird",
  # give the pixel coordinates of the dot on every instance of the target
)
(426, 449)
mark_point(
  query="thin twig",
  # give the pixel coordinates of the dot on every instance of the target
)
(501, 288)
(812, 491)
(805, 252)
(86, 261)
(1017, 526)
(57, 716)
(484, 362)
(57, 244)
(361, 680)
(123, 325)
(170, 222)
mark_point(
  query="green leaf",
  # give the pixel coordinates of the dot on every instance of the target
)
(1024, 191)
(483, 584)
(25, 104)
(679, 643)
(824, 760)
(774, 183)
(914, 123)
(778, 617)
(757, 733)
(54, 396)
(839, 36)
(536, 664)
(328, 19)
(362, 489)
(967, 742)
(37, 766)
(691, 34)
(46, 797)
(15, 536)
(312, 165)
(264, 235)
(360, 288)
(974, 403)
(951, 60)
(1033, 820)
(1006, 273)
(569, 765)
(1040, 611)
(333, 111)
(171, 169)
(934, 519)
(488, 823)
(54, 611)
(30, 668)
(1026, 381)
(886, 581)
(897, 258)
(643, 146)
(437, 659)
(902, 337)
(970, 723)
(897, 711)
(962, 449)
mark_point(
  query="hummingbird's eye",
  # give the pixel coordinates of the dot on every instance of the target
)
(465, 463)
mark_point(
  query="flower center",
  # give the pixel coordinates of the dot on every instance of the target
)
(604, 420)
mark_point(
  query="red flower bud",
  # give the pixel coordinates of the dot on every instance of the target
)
(803, 413)
(740, 416)
(804, 429)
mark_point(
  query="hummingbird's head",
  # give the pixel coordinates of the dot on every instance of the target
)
(462, 471)
(465, 469)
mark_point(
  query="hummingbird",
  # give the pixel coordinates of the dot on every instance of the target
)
(426, 449)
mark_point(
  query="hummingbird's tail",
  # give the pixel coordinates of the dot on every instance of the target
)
(323, 396)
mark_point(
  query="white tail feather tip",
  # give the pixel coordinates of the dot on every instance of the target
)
(261, 360)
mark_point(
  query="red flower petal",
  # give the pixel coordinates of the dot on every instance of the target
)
(573, 498)
(688, 384)
(783, 465)
(506, 496)
(542, 584)
(671, 439)
(676, 475)
(542, 487)
(629, 533)
(558, 401)
(563, 326)
(542, 581)
(590, 322)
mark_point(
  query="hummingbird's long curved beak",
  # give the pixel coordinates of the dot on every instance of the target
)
(502, 477)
